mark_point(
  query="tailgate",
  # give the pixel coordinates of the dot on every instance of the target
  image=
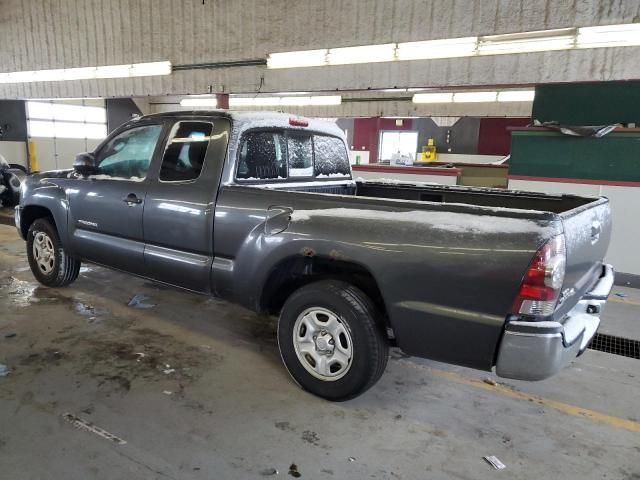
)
(587, 231)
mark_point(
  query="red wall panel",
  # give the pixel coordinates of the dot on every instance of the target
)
(494, 138)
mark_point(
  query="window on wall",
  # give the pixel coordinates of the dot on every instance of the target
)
(398, 146)
(65, 120)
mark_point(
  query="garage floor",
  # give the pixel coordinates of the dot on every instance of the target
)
(196, 389)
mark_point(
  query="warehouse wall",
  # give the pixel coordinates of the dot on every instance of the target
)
(119, 111)
(13, 121)
(195, 31)
(486, 137)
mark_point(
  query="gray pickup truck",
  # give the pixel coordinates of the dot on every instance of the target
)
(261, 209)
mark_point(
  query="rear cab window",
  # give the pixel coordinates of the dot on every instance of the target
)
(291, 155)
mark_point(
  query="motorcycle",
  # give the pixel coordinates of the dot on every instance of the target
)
(11, 177)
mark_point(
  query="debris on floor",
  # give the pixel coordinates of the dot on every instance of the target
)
(139, 301)
(490, 381)
(269, 471)
(293, 471)
(90, 427)
(10, 335)
(620, 294)
(352, 459)
(168, 369)
(4, 370)
(140, 356)
(167, 392)
(495, 462)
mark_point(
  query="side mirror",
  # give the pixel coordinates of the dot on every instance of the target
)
(85, 164)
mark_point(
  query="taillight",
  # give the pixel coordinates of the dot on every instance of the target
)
(541, 285)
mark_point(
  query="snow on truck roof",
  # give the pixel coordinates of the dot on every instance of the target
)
(245, 120)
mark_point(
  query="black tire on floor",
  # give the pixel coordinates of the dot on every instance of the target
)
(64, 269)
(362, 321)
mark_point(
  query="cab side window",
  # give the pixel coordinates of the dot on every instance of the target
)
(263, 155)
(185, 152)
(128, 155)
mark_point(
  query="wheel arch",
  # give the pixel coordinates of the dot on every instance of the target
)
(30, 213)
(293, 272)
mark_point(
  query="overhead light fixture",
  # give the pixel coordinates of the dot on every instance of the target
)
(510, 43)
(304, 58)
(445, 97)
(210, 102)
(516, 95)
(363, 54)
(540, 41)
(286, 94)
(609, 36)
(296, 101)
(449, 48)
(474, 97)
(88, 73)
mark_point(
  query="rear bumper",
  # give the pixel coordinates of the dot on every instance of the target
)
(538, 350)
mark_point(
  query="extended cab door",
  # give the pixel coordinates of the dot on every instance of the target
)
(105, 220)
(180, 203)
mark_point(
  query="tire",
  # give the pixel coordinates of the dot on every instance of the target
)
(321, 326)
(49, 263)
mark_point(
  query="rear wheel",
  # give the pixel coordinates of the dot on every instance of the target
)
(49, 263)
(331, 340)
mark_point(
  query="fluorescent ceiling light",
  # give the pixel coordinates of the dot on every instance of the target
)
(541, 41)
(433, 97)
(364, 54)
(510, 43)
(285, 94)
(516, 96)
(305, 58)
(88, 73)
(473, 97)
(449, 48)
(609, 36)
(297, 101)
(150, 69)
(210, 102)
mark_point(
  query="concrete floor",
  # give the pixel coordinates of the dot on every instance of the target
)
(229, 409)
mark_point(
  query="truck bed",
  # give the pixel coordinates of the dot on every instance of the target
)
(476, 196)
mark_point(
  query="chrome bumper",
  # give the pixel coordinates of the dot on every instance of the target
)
(538, 350)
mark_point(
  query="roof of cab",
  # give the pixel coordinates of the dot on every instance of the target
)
(255, 119)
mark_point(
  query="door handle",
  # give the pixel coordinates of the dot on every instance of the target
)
(131, 199)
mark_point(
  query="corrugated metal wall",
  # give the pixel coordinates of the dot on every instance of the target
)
(71, 33)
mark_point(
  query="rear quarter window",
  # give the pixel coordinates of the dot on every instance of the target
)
(331, 158)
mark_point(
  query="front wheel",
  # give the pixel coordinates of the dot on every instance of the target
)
(49, 263)
(331, 340)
